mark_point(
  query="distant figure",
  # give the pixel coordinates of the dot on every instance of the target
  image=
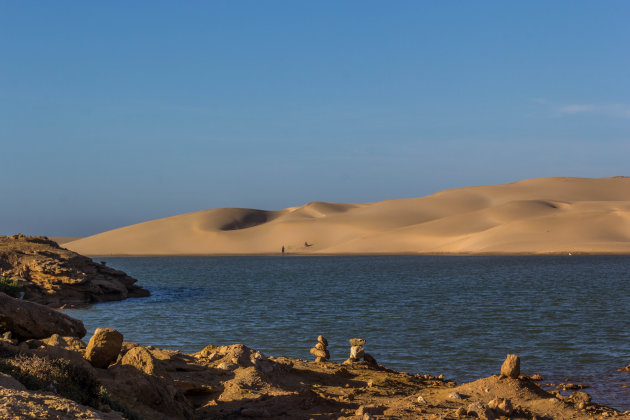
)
(306, 244)
(282, 249)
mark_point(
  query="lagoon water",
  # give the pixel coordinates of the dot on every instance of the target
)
(565, 316)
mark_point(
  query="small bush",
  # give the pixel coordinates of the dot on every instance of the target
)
(11, 287)
(60, 376)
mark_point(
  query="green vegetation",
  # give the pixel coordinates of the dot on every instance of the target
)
(11, 287)
(60, 376)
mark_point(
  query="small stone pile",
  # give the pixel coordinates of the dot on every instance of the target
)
(357, 352)
(319, 351)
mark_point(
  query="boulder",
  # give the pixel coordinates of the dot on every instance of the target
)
(28, 320)
(104, 347)
(511, 367)
(141, 359)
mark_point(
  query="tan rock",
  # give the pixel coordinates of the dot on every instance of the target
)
(370, 409)
(511, 366)
(318, 353)
(141, 359)
(481, 410)
(356, 352)
(322, 340)
(357, 342)
(69, 343)
(501, 406)
(104, 347)
(320, 346)
(580, 396)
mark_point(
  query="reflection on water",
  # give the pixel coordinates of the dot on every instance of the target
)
(565, 316)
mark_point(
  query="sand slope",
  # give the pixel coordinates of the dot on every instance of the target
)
(543, 215)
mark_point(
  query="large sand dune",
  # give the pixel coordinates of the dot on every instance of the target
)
(544, 215)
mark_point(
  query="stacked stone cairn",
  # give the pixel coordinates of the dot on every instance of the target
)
(357, 352)
(319, 351)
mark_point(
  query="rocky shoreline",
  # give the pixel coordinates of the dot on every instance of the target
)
(51, 275)
(47, 371)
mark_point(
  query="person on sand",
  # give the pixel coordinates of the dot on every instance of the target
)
(282, 249)
(306, 244)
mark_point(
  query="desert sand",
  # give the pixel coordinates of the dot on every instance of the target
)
(537, 216)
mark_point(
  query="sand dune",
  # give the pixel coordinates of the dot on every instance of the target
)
(543, 215)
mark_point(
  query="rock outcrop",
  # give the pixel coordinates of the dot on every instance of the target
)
(28, 320)
(235, 381)
(54, 276)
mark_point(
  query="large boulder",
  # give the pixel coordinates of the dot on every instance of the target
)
(104, 347)
(30, 320)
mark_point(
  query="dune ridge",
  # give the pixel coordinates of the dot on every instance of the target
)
(539, 216)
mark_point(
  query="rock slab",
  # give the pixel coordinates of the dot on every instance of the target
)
(28, 320)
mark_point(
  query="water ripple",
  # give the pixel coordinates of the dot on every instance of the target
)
(565, 316)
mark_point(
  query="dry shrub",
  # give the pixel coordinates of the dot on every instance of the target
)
(62, 377)
(57, 375)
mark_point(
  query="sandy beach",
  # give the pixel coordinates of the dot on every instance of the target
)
(537, 216)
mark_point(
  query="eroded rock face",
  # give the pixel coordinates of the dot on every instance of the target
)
(104, 347)
(28, 320)
(55, 276)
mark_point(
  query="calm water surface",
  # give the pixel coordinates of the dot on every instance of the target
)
(565, 316)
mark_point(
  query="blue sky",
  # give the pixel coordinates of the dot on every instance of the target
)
(112, 113)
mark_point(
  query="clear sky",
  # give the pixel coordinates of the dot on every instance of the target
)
(117, 112)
